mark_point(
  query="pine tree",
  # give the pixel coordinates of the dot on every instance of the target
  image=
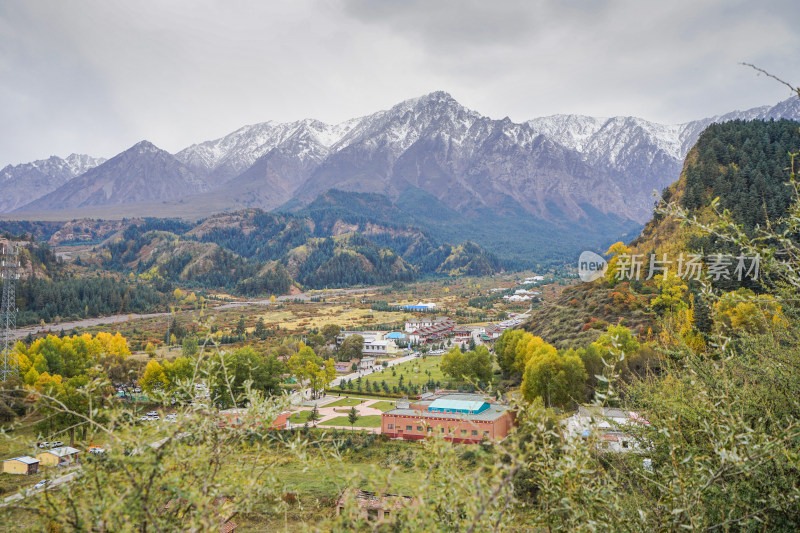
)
(352, 416)
(313, 416)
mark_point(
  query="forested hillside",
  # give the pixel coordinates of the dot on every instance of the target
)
(162, 255)
(50, 290)
(516, 238)
(739, 167)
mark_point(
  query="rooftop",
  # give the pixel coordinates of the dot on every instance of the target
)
(63, 451)
(458, 406)
(24, 459)
(492, 413)
(371, 500)
(453, 405)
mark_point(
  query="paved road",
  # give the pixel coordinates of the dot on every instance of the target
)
(117, 319)
(21, 495)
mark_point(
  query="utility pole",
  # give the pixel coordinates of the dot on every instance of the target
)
(9, 269)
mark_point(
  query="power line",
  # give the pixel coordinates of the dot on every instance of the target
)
(9, 269)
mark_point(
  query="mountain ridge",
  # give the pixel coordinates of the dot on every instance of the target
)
(141, 173)
(559, 173)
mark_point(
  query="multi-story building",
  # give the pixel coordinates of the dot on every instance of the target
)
(416, 323)
(376, 343)
(439, 328)
(462, 334)
(458, 417)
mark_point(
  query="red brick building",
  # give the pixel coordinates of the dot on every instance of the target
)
(457, 416)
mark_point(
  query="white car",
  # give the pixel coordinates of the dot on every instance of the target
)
(96, 450)
(56, 444)
(44, 444)
(144, 418)
(43, 483)
(171, 417)
(152, 413)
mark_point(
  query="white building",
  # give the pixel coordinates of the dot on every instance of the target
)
(379, 347)
(611, 427)
(532, 279)
(414, 324)
(375, 342)
(524, 292)
(366, 362)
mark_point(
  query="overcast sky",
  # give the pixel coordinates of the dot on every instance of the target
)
(96, 77)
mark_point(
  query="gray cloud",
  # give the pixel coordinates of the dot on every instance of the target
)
(97, 76)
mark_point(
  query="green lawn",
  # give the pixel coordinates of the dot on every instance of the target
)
(355, 394)
(413, 372)
(369, 421)
(345, 402)
(300, 417)
(383, 406)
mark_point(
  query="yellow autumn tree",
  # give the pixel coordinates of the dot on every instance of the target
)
(672, 294)
(153, 377)
(114, 344)
(741, 310)
(529, 347)
(48, 383)
(617, 249)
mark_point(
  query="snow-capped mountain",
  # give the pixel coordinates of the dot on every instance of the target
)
(143, 173)
(225, 158)
(20, 183)
(561, 167)
(465, 160)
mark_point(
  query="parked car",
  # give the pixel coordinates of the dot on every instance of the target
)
(152, 413)
(144, 418)
(44, 444)
(171, 417)
(56, 444)
(43, 483)
(97, 450)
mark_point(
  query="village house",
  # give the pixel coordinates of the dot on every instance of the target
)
(21, 465)
(459, 417)
(371, 505)
(611, 426)
(62, 456)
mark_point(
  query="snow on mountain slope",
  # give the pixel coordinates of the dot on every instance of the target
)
(142, 173)
(559, 166)
(221, 159)
(22, 183)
